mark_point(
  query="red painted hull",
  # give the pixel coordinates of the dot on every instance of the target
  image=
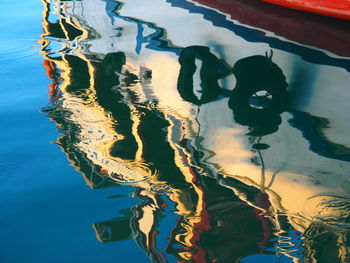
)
(334, 8)
(305, 28)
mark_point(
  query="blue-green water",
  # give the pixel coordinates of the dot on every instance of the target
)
(47, 210)
(107, 153)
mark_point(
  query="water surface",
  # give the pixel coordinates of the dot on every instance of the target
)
(171, 131)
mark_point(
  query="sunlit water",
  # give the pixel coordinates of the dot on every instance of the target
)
(173, 131)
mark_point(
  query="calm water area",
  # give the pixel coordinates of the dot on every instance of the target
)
(173, 131)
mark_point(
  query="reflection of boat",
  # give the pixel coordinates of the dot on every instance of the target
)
(81, 116)
(99, 130)
(301, 183)
(310, 185)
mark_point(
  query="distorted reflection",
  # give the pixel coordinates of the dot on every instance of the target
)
(207, 127)
(260, 94)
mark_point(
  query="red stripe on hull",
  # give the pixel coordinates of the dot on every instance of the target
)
(305, 28)
(334, 8)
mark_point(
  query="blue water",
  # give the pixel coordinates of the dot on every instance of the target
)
(50, 214)
(47, 211)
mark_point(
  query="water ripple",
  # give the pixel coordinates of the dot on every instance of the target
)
(16, 49)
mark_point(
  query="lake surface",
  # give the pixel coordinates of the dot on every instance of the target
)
(173, 131)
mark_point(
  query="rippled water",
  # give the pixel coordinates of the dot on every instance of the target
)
(173, 131)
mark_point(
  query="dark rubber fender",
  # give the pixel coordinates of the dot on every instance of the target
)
(208, 74)
(253, 74)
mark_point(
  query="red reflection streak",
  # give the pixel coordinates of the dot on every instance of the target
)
(265, 204)
(203, 225)
(53, 74)
(160, 256)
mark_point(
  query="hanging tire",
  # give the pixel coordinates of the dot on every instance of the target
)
(258, 74)
(208, 75)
